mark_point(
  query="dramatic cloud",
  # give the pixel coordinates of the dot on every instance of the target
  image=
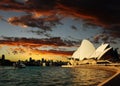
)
(47, 14)
(40, 32)
(34, 46)
(104, 38)
(99, 37)
(93, 12)
(55, 41)
(53, 52)
(44, 23)
(23, 50)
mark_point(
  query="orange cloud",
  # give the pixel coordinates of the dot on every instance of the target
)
(53, 52)
(54, 41)
(23, 45)
(45, 24)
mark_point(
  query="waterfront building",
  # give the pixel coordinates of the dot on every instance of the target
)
(87, 51)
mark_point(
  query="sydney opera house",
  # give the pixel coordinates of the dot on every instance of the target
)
(88, 51)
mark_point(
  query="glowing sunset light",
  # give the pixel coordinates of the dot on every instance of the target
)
(54, 29)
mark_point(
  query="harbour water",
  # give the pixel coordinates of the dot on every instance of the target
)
(52, 76)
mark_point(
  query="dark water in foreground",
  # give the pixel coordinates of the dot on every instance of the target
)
(52, 76)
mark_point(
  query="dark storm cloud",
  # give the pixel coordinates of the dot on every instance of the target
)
(42, 4)
(104, 38)
(28, 6)
(114, 31)
(40, 32)
(32, 42)
(103, 13)
(28, 20)
(21, 44)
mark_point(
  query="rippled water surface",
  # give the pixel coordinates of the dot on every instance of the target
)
(52, 76)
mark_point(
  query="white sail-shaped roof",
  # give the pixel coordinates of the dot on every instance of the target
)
(87, 50)
(105, 51)
(99, 51)
(84, 51)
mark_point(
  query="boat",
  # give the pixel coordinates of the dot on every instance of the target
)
(19, 65)
(67, 66)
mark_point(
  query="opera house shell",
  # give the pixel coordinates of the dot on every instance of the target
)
(88, 51)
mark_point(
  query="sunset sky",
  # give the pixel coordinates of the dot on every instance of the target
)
(54, 29)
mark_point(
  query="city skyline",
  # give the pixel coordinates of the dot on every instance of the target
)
(54, 29)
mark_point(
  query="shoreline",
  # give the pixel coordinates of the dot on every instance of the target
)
(114, 80)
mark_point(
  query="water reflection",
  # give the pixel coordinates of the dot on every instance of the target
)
(87, 77)
(52, 76)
